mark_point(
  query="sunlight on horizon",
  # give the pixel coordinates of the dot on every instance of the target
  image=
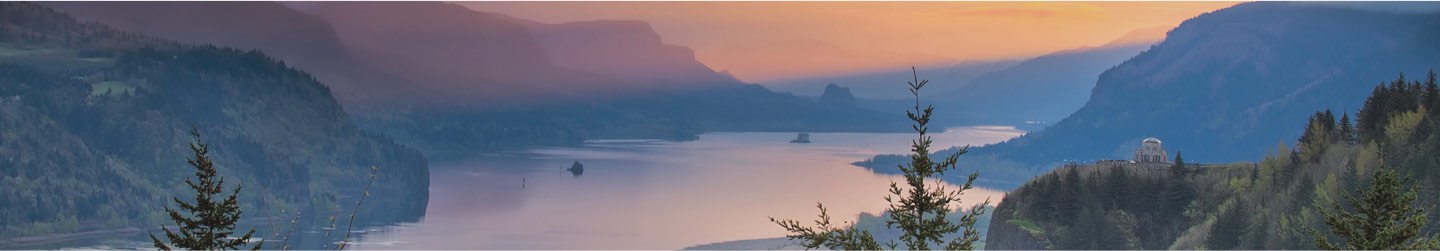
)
(770, 41)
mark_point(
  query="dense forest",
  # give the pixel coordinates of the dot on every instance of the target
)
(1272, 204)
(95, 120)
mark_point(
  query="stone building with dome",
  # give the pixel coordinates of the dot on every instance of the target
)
(1152, 160)
(1151, 151)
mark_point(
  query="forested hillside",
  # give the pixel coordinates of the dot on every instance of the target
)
(1228, 85)
(95, 123)
(1272, 204)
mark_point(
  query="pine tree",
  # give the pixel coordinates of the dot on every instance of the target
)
(1347, 131)
(1117, 188)
(1067, 200)
(1431, 97)
(1178, 171)
(1229, 227)
(1047, 189)
(1319, 133)
(210, 224)
(1384, 218)
(1372, 114)
(1328, 121)
(920, 209)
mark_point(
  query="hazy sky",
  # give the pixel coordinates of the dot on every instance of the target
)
(770, 41)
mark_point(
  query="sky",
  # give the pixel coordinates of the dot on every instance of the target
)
(776, 41)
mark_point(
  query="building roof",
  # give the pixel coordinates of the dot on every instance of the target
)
(1152, 140)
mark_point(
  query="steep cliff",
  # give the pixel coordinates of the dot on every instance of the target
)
(97, 120)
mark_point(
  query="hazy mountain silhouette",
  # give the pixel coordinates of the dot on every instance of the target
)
(1232, 84)
(628, 50)
(1045, 88)
(415, 51)
(478, 56)
(890, 84)
(1041, 89)
(788, 60)
(556, 83)
(306, 41)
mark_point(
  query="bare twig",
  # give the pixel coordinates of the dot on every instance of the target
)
(268, 218)
(327, 233)
(285, 243)
(343, 243)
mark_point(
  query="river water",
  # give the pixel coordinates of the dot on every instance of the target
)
(640, 194)
(649, 194)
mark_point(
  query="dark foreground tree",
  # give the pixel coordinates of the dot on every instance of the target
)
(1384, 218)
(920, 210)
(206, 224)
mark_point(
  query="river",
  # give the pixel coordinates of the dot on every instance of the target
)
(643, 194)
(647, 194)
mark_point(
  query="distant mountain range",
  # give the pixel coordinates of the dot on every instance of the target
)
(305, 41)
(442, 76)
(1038, 90)
(890, 84)
(1043, 89)
(389, 51)
(1229, 85)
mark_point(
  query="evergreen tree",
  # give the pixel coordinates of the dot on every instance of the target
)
(1067, 199)
(1178, 171)
(1048, 192)
(1328, 122)
(1229, 227)
(1178, 193)
(1384, 218)
(1302, 197)
(1347, 131)
(1117, 188)
(1431, 97)
(1087, 230)
(206, 224)
(1372, 114)
(1257, 238)
(1318, 135)
(920, 210)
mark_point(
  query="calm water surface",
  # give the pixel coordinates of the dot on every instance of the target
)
(643, 194)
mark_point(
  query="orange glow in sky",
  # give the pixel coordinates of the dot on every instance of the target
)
(773, 41)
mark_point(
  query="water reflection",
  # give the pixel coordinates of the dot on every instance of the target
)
(643, 194)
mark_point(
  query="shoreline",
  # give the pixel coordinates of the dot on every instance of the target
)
(775, 243)
(35, 240)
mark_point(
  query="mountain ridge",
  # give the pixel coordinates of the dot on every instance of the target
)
(1229, 83)
(98, 119)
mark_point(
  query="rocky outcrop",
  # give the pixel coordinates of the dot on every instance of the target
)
(1007, 233)
(837, 96)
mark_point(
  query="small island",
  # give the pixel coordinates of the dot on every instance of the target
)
(576, 169)
(802, 138)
